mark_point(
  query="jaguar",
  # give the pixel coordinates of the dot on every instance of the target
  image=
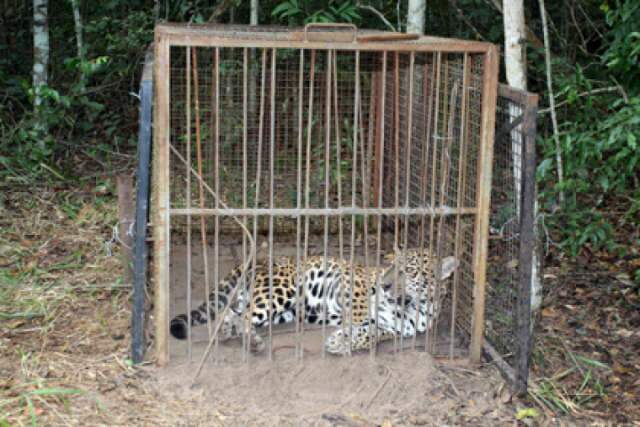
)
(330, 291)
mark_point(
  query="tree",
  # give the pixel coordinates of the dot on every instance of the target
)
(515, 36)
(415, 16)
(40, 49)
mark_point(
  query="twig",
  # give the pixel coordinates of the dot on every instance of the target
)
(220, 9)
(246, 265)
(451, 383)
(586, 93)
(552, 102)
(380, 387)
(378, 14)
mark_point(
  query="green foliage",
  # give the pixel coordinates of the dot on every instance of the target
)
(623, 53)
(296, 12)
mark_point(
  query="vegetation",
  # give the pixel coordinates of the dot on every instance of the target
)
(83, 131)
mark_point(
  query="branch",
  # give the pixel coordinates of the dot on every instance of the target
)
(378, 14)
(221, 8)
(586, 93)
(454, 3)
(552, 102)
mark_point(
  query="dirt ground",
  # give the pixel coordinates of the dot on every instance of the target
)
(64, 350)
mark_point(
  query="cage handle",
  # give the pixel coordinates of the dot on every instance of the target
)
(326, 25)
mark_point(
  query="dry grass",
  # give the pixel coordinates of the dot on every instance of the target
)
(64, 318)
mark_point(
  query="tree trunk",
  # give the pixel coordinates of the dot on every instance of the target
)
(515, 35)
(77, 20)
(40, 48)
(253, 19)
(514, 43)
(415, 16)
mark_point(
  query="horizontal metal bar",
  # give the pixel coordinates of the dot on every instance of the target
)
(293, 212)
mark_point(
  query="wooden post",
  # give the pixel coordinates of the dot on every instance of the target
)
(125, 224)
(160, 189)
(481, 232)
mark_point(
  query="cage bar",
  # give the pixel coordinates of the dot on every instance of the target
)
(404, 126)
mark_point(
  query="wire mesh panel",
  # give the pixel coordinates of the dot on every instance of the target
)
(511, 242)
(322, 178)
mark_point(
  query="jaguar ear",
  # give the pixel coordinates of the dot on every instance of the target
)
(447, 266)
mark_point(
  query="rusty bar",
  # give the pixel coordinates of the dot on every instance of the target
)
(434, 154)
(299, 295)
(245, 166)
(428, 98)
(307, 185)
(380, 160)
(258, 179)
(396, 175)
(462, 166)
(445, 161)
(272, 155)
(338, 149)
(216, 220)
(481, 232)
(327, 187)
(354, 183)
(161, 197)
(188, 184)
(409, 146)
(203, 225)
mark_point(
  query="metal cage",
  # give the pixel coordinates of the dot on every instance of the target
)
(512, 268)
(326, 141)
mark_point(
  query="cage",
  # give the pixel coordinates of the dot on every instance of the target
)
(328, 142)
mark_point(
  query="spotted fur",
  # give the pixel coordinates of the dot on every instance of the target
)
(330, 290)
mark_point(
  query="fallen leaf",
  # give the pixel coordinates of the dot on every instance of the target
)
(527, 413)
(549, 312)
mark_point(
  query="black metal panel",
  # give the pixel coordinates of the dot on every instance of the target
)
(512, 238)
(142, 212)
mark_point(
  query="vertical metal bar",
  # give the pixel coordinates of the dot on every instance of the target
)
(307, 187)
(396, 175)
(161, 190)
(338, 154)
(138, 343)
(434, 150)
(445, 161)
(409, 146)
(527, 243)
(354, 183)
(272, 154)
(462, 166)
(327, 188)
(368, 151)
(299, 294)
(258, 181)
(203, 225)
(188, 172)
(427, 98)
(481, 232)
(374, 331)
(216, 223)
(245, 118)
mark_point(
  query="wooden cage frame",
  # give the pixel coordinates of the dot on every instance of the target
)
(169, 35)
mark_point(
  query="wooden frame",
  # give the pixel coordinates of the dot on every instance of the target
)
(168, 35)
